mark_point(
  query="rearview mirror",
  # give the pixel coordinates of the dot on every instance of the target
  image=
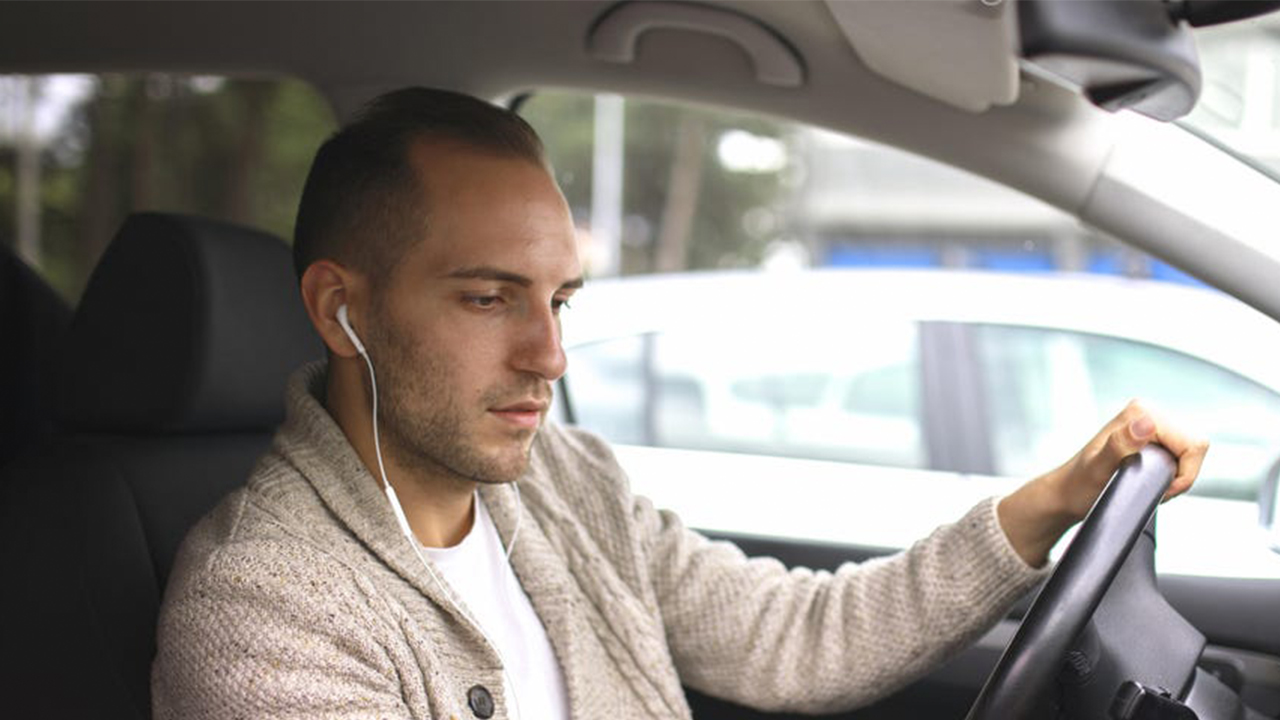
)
(1269, 506)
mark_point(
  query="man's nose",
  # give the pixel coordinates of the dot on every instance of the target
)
(540, 351)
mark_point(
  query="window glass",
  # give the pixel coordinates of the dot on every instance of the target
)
(661, 187)
(1049, 390)
(80, 152)
(647, 178)
(784, 393)
(758, 293)
(1240, 97)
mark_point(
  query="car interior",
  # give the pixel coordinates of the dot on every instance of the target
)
(148, 441)
(125, 419)
(37, 316)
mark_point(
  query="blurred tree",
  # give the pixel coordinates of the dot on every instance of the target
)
(684, 208)
(235, 149)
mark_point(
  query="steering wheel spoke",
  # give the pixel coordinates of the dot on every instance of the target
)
(1106, 552)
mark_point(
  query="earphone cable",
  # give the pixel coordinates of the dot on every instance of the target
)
(403, 521)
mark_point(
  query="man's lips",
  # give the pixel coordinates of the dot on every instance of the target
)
(522, 414)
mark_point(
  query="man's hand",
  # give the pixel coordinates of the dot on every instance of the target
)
(1039, 512)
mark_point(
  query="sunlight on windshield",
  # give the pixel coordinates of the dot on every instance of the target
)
(1240, 98)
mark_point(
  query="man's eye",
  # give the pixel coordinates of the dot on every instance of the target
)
(558, 304)
(483, 301)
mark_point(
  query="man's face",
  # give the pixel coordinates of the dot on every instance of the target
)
(465, 333)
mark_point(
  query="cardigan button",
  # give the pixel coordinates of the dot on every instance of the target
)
(480, 701)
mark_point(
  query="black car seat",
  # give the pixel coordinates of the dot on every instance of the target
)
(33, 317)
(170, 386)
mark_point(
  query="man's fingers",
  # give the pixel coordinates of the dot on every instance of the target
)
(1190, 454)
(1135, 427)
(1127, 433)
(1084, 476)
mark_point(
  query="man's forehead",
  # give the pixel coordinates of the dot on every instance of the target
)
(489, 272)
(487, 248)
(500, 213)
(491, 185)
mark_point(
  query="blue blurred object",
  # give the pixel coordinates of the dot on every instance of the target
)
(848, 256)
(1012, 261)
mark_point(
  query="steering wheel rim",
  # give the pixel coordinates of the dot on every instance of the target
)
(1078, 583)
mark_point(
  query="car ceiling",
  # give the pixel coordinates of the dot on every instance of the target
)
(1050, 143)
(352, 50)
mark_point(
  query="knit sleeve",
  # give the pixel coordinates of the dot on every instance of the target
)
(753, 632)
(260, 632)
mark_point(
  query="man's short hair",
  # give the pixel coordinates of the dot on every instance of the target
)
(363, 203)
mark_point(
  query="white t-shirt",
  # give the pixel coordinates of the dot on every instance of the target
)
(478, 571)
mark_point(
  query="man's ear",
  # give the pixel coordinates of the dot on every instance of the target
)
(327, 286)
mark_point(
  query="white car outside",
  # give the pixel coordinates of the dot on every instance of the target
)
(750, 366)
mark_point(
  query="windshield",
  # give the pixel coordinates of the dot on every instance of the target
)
(1239, 103)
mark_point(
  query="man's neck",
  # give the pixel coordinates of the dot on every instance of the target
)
(440, 511)
(438, 505)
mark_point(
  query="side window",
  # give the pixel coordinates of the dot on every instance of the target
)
(80, 152)
(780, 390)
(890, 391)
(1050, 387)
(756, 295)
(610, 391)
(1039, 399)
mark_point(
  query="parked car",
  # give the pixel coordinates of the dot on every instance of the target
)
(935, 387)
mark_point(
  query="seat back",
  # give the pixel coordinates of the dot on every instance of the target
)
(170, 387)
(34, 318)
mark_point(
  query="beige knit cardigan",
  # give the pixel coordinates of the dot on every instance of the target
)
(297, 597)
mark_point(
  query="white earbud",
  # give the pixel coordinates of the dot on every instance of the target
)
(346, 327)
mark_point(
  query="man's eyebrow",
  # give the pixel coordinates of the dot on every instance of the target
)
(485, 272)
(490, 273)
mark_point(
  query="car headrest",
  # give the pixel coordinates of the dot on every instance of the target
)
(187, 325)
(34, 319)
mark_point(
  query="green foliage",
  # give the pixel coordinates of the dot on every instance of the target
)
(565, 123)
(717, 236)
(297, 121)
(237, 149)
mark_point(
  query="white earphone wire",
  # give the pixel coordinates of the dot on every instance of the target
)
(403, 521)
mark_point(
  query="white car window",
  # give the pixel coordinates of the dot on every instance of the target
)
(790, 393)
(1050, 388)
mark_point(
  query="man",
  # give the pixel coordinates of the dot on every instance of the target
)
(457, 557)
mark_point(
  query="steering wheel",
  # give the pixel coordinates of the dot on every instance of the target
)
(1060, 613)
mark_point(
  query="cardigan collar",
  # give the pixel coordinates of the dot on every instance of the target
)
(313, 443)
